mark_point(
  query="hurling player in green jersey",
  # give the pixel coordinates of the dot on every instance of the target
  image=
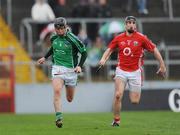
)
(64, 49)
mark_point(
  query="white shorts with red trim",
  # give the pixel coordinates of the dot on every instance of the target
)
(66, 74)
(133, 79)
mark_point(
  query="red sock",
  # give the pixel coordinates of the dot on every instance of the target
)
(117, 119)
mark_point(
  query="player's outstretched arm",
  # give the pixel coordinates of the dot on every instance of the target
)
(105, 56)
(43, 59)
(162, 68)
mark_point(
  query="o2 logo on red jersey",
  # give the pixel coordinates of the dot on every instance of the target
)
(127, 51)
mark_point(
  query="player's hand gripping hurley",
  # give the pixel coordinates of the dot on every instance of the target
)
(100, 66)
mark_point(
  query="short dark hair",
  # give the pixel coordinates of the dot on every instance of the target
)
(60, 22)
(128, 18)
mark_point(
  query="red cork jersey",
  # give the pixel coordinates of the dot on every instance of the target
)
(131, 50)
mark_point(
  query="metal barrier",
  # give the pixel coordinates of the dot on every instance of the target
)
(8, 11)
(87, 76)
(26, 26)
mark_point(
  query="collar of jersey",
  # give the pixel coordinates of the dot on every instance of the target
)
(131, 35)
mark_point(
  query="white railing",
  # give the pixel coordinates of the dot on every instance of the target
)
(8, 11)
(171, 16)
(26, 27)
(87, 72)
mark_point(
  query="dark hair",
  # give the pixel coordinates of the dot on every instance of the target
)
(60, 22)
(128, 18)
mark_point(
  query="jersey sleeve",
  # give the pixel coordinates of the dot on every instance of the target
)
(78, 43)
(113, 44)
(49, 53)
(148, 45)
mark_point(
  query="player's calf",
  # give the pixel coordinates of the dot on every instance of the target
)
(59, 122)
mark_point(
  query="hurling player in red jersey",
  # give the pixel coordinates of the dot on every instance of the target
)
(131, 45)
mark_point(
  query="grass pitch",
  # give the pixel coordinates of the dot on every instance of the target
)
(132, 123)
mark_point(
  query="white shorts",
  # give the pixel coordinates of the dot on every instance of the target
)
(133, 79)
(66, 74)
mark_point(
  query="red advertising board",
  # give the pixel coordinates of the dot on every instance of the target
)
(6, 83)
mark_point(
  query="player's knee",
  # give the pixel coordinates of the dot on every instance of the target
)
(57, 93)
(135, 98)
(69, 99)
(118, 96)
(135, 101)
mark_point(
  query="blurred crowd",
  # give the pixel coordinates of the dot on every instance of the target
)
(49, 10)
(83, 8)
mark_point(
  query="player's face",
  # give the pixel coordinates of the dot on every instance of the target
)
(60, 30)
(130, 26)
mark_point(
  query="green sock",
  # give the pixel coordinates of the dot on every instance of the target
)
(58, 115)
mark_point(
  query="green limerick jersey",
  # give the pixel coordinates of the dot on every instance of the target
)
(65, 50)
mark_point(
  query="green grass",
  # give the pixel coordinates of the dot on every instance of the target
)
(132, 123)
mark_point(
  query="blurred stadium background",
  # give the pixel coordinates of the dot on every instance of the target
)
(25, 87)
